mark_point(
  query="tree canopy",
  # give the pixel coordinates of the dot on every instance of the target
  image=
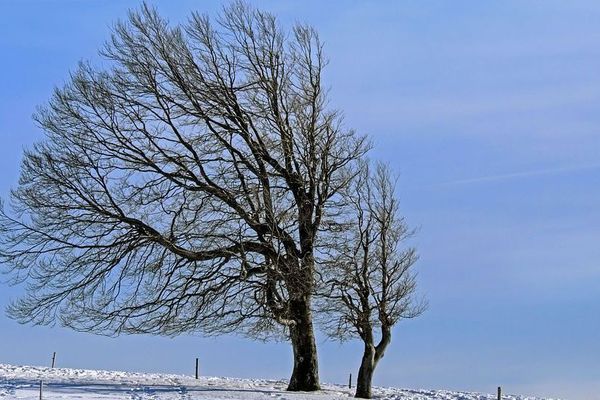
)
(193, 180)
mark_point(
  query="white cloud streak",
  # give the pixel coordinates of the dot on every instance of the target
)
(518, 175)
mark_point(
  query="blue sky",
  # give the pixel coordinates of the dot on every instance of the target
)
(489, 111)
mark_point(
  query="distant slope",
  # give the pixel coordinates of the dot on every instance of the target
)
(22, 382)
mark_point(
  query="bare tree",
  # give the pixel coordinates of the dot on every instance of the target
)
(371, 284)
(184, 185)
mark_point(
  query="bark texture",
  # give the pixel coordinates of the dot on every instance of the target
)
(371, 356)
(305, 375)
(365, 373)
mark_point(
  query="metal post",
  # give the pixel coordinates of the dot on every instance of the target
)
(350, 382)
(196, 368)
(53, 358)
(499, 393)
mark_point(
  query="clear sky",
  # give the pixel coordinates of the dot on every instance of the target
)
(489, 111)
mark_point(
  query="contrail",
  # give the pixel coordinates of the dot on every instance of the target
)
(517, 175)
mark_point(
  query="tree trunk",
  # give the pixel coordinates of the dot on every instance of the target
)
(371, 357)
(305, 376)
(365, 373)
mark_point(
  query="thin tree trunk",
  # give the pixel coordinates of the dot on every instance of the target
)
(305, 376)
(371, 357)
(365, 373)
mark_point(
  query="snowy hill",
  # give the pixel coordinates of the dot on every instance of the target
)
(22, 382)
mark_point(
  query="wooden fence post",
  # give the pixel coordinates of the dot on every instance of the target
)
(350, 382)
(41, 390)
(53, 358)
(196, 368)
(499, 393)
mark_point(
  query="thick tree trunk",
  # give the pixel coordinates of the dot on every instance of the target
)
(365, 373)
(305, 376)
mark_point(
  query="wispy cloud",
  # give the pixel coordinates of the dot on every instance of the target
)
(476, 103)
(518, 175)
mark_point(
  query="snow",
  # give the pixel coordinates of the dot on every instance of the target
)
(22, 382)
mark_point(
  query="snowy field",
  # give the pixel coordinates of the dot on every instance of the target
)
(21, 382)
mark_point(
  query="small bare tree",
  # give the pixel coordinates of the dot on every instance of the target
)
(371, 284)
(184, 185)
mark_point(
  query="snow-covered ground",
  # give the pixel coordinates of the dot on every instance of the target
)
(22, 382)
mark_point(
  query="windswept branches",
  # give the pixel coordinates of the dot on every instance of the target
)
(183, 186)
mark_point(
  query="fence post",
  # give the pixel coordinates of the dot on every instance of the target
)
(499, 393)
(196, 368)
(41, 390)
(350, 382)
(53, 358)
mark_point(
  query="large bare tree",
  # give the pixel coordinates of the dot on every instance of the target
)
(371, 284)
(184, 184)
